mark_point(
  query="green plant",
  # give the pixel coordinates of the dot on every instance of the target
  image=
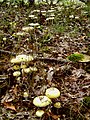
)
(75, 57)
(86, 101)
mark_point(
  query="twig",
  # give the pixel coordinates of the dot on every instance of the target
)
(51, 59)
(5, 51)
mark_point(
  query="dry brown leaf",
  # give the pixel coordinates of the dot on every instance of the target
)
(9, 106)
(55, 117)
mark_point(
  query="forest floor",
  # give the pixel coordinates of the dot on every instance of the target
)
(58, 31)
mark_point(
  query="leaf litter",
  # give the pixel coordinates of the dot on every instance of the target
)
(50, 45)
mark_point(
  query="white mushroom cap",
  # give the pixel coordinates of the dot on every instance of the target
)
(39, 113)
(14, 60)
(50, 18)
(52, 92)
(16, 73)
(31, 16)
(41, 101)
(33, 69)
(34, 24)
(21, 33)
(22, 58)
(27, 70)
(27, 29)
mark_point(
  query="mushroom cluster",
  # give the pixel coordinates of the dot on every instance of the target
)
(43, 101)
(20, 65)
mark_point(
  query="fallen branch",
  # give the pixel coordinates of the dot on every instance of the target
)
(52, 60)
(40, 58)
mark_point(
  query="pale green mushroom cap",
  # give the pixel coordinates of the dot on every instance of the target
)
(41, 101)
(39, 113)
(57, 105)
(25, 94)
(52, 92)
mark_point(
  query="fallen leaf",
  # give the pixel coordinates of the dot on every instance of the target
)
(9, 106)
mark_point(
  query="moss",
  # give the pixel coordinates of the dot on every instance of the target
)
(86, 101)
(75, 57)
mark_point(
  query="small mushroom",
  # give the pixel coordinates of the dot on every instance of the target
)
(34, 24)
(16, 67)
(23, 66)
(16, 73)
(52, 92)
(25, 95)
(57, 105)
(31, 16)
(27, 29)
(34, 69)
(39, 113)
(27, 70)
(50, 18)
(20, 33)
(41, 101)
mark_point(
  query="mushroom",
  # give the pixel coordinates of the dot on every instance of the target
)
(29, 70)
(20, 34)
(26, 70)
(16, 73)
(31, 16)
(34, 24)
(52, 92)
(41, 101)
(34, 69)
(39, 113)
(27, 29)
(25, 95)
(16, 67)
(57, 105)
(14, 60)
(22, 58)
